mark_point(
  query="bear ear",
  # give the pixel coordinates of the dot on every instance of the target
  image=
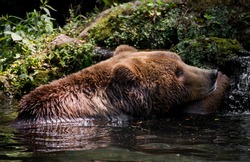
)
(124, 49)
(173, 55)
(124, 74)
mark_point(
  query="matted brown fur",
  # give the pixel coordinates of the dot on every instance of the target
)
(134, 83)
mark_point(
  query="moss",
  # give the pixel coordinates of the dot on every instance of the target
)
(151, 25)
(209, 52)
(42, 76)
(106, 26)
(162, 25)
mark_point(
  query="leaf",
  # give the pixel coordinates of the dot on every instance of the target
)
(17, 56)
(159, 2)
(106, 2)
(51, 8)
(208, 17)
(7, 28)
(49, 28)
(31, 78)
(8, 32)
(23, 76)
(16, 37)
(47, 11)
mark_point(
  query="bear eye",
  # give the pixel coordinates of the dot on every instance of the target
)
(179, 72)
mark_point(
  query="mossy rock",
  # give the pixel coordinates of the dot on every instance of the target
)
(43, 76)
(210, 52)
(158, 25)
(151, 25)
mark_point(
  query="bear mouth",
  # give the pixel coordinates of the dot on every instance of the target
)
(213, 88)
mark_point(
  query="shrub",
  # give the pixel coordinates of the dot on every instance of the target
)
(155, 24)
(207, 52)
(23, 37)
(26, 58)
(150, 25)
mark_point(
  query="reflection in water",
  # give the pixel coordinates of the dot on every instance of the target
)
(65, 137)
(187, 138)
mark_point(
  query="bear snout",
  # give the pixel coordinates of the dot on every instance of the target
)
(213, 77)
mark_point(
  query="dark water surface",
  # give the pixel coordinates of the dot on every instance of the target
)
(224, 137)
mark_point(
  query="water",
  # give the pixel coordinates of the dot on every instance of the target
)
(238, 99)
(222, 137)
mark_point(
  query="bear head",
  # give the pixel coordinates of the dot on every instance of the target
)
(158, 79)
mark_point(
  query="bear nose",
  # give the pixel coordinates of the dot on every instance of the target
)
(214, 75)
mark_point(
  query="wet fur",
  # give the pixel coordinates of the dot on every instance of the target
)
(122, 85)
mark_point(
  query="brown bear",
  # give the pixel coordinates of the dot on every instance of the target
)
(133, 83)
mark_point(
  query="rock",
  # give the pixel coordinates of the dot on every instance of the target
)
(64, 39)
(103, 14)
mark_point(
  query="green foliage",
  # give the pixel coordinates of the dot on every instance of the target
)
(215, 22)
(109, 3)
(27, 73)
(71, 58)
(22, 37)
(202, 5)
(210, 52)
(26, 58)
(21, 73)
(150, 25)
(155, 24)
(76, 23)
(20, 42)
